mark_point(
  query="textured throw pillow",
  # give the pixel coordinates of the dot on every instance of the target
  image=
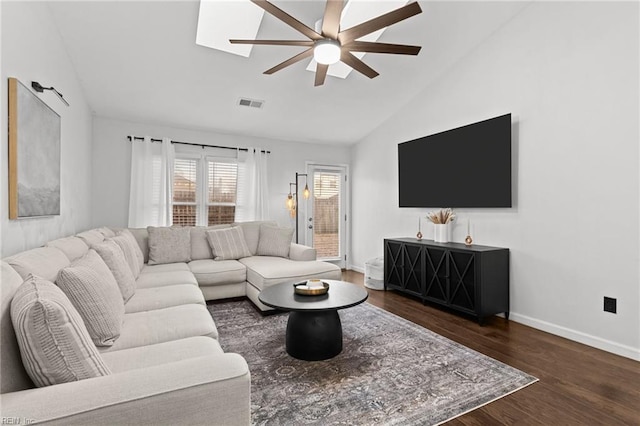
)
(274, 241)
(228, 244)
(135, 246)
(94, 292)
(113, 256)
(169, 245)
(129, 253)
(54, 343)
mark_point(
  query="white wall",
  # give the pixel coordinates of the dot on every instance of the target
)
(112, 164)
(32, 50)
(568, 72)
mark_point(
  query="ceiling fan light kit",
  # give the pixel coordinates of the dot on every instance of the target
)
(326, 52)
(331, 44)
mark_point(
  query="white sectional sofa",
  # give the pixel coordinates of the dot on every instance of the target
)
(166, 366)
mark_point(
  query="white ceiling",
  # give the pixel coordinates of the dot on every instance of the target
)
(138, 61)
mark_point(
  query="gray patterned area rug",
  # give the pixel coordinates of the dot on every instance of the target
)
(390, 371)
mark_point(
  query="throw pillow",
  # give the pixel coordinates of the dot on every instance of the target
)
(94, 292)
(274, 241)
(200, 248)
(113, 256)
(55, 345)
(251, 232)
(129, 253)
(169, 245)
(228, 244)
(135, 247)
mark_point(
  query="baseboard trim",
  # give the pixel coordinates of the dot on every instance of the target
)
(356, 268)
(578, 336)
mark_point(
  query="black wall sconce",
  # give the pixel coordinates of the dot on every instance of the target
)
(39, 88)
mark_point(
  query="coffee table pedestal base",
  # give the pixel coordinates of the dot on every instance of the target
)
(314, 335)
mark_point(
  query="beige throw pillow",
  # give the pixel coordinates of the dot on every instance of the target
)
(169, 245)
(274, 241)
(135, 247)
(55, 345)
(94, 292)
(128, 250)
(113, 256)
(228, 244)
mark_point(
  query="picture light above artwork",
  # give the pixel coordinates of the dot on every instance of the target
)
(39, 88)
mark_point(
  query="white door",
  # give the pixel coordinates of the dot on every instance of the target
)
(325, 222)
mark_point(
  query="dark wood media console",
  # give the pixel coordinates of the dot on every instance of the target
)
(471, 279)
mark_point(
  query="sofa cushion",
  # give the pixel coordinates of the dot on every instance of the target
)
(44, 262)
(164, 325)
(169, 244)
(161, 353)
(251, 232)
(200, 248)
(13, 376)
(274, 241)
(107, 232)
(91, 237)
(141, 236)
(94, 292)
(112, 255)
(128, 249)
(217, 272)
(135, 247)
(161, 279)
(54, 343)
(228, 244)
(165, 267)
(72, 247)
(148, 299)
(265, 271)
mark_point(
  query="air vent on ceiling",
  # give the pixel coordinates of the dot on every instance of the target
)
(253, 103)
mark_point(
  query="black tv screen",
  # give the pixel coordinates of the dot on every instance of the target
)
(469, 166)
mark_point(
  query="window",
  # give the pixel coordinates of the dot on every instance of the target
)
(204, 191)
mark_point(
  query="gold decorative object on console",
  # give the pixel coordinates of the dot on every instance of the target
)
(468, 240)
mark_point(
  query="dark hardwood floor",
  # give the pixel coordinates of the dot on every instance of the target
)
(578, 385)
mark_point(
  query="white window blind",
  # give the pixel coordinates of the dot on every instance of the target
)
(185, 187)
(222, 184)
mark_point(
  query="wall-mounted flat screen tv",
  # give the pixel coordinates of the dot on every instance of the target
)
(469, 166)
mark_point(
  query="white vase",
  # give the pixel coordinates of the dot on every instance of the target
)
(441, 232)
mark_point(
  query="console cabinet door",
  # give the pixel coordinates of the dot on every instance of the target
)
(393, 269)
(412, 269)
(435, 265)
(462, 280)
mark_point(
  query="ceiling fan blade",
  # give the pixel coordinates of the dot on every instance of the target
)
(291, 61)
(374, 47)
(308, 43)
(331, 19)
(287, 19)
(381, 21)
(357, 64)
(321, 74)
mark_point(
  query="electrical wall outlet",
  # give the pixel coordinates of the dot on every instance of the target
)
(610, 304)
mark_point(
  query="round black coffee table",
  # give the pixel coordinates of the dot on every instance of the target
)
(314, 330)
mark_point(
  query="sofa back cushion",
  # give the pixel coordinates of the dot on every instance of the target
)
(274, 241)
(72, 247)
(54, 343)
(169, 244)
(91, 237)
(200, 247)
(228, 244)
(251, 232)
(13, 376)
(94, 292)
(44, 262)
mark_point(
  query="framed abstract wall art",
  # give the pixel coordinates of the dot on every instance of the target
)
(34, 155)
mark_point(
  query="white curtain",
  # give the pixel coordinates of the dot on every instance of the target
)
(150, 195)
(253, 190)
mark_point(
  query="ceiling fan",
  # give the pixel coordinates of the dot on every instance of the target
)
(332, 44)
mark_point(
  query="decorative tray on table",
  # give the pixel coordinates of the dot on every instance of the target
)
(311, 288)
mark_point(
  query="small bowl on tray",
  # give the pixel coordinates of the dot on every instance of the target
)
(311, 288)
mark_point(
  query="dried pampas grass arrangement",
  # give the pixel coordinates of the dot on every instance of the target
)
(442, 216)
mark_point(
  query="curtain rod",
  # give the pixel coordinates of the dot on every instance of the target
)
(140, 138)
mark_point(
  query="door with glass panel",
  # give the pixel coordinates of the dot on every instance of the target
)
(326, 213)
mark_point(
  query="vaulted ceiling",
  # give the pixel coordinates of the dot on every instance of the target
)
(138, 61)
